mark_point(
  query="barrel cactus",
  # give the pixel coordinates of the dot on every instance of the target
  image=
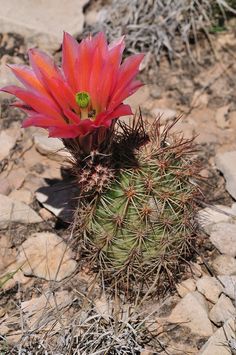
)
(135, 218)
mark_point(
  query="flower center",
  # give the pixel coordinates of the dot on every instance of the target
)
(83, 99)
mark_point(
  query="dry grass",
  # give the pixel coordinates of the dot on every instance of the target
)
(164, 26)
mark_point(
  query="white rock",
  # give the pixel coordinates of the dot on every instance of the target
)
(43, 22)
(224, 265)
(217, 344)
(46, 255)
(223, 237)
(52, 147)
(229, 284)
(222, 310)
(16, 211)
(225, 162)
(210, 287)
(6, 143)
(185, 287)
(212, 215)
(165, 113)
(22, 195)
(192, 312)
(36, 311)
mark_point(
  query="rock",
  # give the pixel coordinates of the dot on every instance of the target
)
(46, 255)
(34, 182)
(185, 287)
(103, 308)
(195, 269)
(199, 99)
(7, 143)
(17, 212)
(229, 285)
(141, 96)
(222, 310)
(232, 119)
(165, 114)
(22, 195)
(38, 311)
(192, 312)
(225, 162)
(42, 24)
(210, 288)
(218, 343)
(13, 276)
(212, 215)
(53, 148)
(16, 178)
(223, 237)
(221, 117)
(5, 187)
(7, 254)
(45, 214)
(60, 199)
(6, 75)
(224, 265)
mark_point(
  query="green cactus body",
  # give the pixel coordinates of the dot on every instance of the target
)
(142, 222)
(135, 218)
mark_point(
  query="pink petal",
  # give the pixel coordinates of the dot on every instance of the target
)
(37, 102)
(70, 50)
(38, 120)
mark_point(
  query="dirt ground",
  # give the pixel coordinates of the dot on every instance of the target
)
(38, 315)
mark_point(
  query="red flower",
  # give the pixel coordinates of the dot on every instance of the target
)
(85, 93)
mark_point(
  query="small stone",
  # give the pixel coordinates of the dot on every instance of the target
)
(225, 162)
(222, 310)
(4, 330)
(192, 312)
(185, 287)
(210, 288)
(195, 269)
(103, 307)
(224, 265)
(53, 148)
(45, 214)
(221, 117)
(22, 195)
(6, 143)
(47, 256)
(13, 276)
(165, 114)
(223, 237)
(36, 311)
(16, 211)
(199, 99)
(7, 254)
(229, 285)
(218, 343)
(5, 187)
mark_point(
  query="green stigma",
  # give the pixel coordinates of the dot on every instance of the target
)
(82, 98)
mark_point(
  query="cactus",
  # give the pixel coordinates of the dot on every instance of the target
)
(137, 226)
